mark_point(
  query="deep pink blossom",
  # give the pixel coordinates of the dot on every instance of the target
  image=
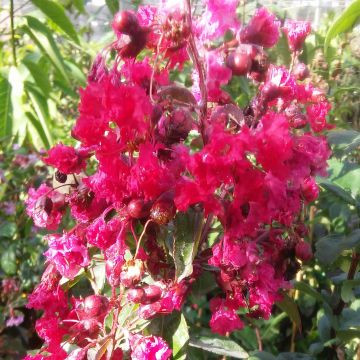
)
(262, 30)
(45, 205)
(67, 159)
(68, 253)
(296, 33)
(149, 347)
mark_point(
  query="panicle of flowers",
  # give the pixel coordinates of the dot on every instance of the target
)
(137, 178)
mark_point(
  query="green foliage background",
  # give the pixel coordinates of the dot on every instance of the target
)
(43, 61)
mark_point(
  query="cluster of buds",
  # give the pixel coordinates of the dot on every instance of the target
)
(158, 163)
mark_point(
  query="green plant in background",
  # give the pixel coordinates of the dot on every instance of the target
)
(42, 60)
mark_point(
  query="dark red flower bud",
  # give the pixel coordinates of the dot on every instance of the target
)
(138, 208)
(135, 295)
(175, 126)
(239, 62)
(136, 44)
(303, 251)
(163, 211)
(310, 190)
(152, 294)
(301, 71)
(125, 22)
(95, 306)
(60, 177)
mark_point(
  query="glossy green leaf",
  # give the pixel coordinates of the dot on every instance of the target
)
(43, 38)
(289, 305)
(338, 191)
(218, 345)
(343, 23)
(180, 338)
(347, 290)
(5, 108)
(185, 242)
(8, 261)
(56, 13)
(330, 247)
(7, 229)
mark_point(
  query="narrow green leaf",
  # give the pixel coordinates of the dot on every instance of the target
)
(42, 111)
(288, 305)
(6, 112)
(186, 237)
(38, 136)
(180, 339)
(8, 261)
(79, 4)
(338, 191)
(37, 72)
(307, 289)
(343, 23)
(113, 6)
(56, 13)
(43, 38)
(218, 345)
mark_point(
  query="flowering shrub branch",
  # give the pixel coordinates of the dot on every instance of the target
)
(160, 165)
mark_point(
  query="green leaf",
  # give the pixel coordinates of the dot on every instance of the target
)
(288, 305)
(338, 191)
(185, 242)
(43, 38)
(40, 105)
(347, 290)
(56, 13)
(7, 229)
(5, 108)
(180, 338)
(218, 345)
(261, 355)
(343, 23)
(8, 261)
(330, 247)
(37, 133)
(99, 275)
(79, 4)
(37, 72)
(307, 289)
(113, 6)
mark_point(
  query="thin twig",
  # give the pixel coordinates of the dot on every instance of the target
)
(12, 31)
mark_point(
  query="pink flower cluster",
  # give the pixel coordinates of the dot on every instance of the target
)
(151, 151)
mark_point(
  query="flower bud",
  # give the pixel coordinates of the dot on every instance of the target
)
(152, 293)
(239, 63)
(92, 307)
(135, 295)
(138, 209)
(163, 211)
(310, 190)
(132, 273)
(125, 22)
(175, 126)
(303, 251)
(301, 71)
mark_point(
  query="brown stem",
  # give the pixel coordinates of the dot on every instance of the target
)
(351, 273)
(200, 69)
(258, 338)
(12, 31)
